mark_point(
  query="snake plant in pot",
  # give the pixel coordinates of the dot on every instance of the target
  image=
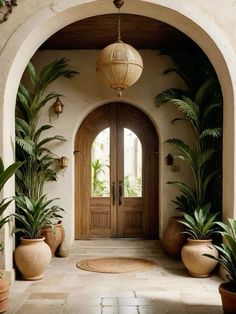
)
(5, 175)
(33, 255)
(199, 227)
(227, 259)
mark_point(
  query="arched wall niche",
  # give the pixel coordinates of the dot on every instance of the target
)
(42, 22)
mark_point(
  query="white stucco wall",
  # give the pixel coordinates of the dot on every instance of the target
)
(208, 23)
(84, 93)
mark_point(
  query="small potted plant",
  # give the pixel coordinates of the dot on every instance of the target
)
(33, 255)
(199, 227)
(227, 259)
(5, 174)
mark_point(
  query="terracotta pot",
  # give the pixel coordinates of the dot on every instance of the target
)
(228, 299)
(32, 257)
(4, 292)
(53, 237)
(173, 238)
(193, 259)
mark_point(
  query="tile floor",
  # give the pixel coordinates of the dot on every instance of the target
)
(66, 289)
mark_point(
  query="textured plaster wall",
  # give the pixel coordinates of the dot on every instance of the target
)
(208, 23)
(84, 93)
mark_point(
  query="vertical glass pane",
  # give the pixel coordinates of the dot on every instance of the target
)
(132, 165)
(100, 165)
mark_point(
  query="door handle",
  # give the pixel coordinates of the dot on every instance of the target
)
(120, 192)
(113, 193)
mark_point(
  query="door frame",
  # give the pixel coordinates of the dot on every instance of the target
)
(81, 225)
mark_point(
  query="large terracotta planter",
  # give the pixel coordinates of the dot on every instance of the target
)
(193, 259)
(4, 292)
(32, 257)
(53, 237)
(228, 299)
(173, 238)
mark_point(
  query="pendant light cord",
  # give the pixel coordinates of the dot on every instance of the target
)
(119, 34)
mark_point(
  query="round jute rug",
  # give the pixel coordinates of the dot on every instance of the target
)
(115, 265)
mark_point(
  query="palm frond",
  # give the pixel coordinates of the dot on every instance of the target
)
(32, 74)
(203, 90)
(214, 133)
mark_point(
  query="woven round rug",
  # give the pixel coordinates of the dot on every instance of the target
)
(115, 265)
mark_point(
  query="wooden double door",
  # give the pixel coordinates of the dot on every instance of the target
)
(116, 164)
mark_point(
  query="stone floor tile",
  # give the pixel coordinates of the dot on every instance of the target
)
(204, 309)
(14, 301)
(120, 310)
(20, 286)
(48, 295)
(76, 309)
(40, 308)
(110, 310)
(147, 310)
(169, 307)
(126, 294)
(128, 310)
(82, 301)
(163, 289)
(200, 299)
(110, 301)
(134, 301)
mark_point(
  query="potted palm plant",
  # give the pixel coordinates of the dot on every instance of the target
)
(31, 143)
(199, 227)
(5, 174)
(33, 255)
(197, 105)
(227, 259)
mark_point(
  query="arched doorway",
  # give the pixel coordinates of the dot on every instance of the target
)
(29, 29)
(116, 174)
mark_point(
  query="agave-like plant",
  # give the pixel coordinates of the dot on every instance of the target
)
(227, 252)
(201, 225)
(31, 145)
(197, 109)
(34, 215)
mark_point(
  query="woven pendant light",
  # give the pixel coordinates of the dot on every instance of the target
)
(119, 65)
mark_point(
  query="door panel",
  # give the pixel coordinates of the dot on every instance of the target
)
(122, 199)
(100, 217)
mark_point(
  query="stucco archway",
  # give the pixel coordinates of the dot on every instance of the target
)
(46, 20)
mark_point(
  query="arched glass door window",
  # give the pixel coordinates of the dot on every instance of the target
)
(132, 165)
(100, 165)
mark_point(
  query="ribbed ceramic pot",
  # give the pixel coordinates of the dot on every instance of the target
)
(32, 257)
(53, 236)
(228, 299)
(193, 259)
(4, 292)
(174, 238)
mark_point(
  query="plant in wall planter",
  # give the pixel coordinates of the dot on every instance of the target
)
(5, 174)
(227, 259)
(33, 255)
(199, 227)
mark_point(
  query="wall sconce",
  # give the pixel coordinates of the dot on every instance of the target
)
(58, 106)
(63, 162)
(169, 160)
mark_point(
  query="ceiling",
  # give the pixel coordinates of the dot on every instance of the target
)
(99, 31)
